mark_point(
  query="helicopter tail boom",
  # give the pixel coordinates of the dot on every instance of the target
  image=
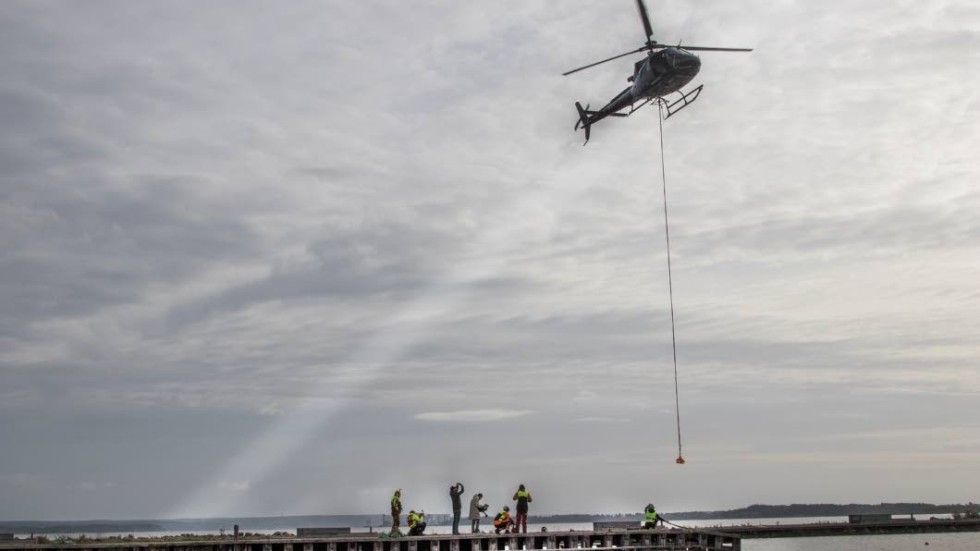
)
(587, 118)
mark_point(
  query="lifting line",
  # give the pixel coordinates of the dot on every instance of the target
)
(670, 284)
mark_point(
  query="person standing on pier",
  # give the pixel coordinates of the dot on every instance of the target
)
(456, 493)
(522, 497)
(396, 510)
(475, 509)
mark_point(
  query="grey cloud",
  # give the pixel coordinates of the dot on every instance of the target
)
(94, 249)
(390, 258)
(216, 234)
(37, 135)
(25, 112)
(884, 232)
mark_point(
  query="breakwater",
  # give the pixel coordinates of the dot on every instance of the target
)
(854, 529)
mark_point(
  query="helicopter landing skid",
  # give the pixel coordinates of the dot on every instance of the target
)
(635, 108)
(680, 103)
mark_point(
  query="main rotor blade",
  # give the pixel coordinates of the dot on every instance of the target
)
(707, 49)
(636, 51)
(645, 17)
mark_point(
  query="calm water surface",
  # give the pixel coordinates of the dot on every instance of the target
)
(897, 542)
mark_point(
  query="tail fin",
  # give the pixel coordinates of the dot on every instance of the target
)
(583, 120)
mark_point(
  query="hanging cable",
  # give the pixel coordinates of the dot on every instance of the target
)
(670, 287)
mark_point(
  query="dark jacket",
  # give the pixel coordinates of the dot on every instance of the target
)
(455, 492)
(522, 497)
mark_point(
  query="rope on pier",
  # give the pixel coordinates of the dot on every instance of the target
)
(670, 286)
(701, 530)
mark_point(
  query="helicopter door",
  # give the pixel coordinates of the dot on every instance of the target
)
(642, 77)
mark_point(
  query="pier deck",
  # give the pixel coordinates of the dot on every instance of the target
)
(607, 540)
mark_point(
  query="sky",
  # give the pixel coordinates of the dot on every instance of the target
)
(282, 258)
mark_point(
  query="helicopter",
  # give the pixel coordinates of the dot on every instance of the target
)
(665, 70)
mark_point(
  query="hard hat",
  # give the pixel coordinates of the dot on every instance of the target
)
(506, 508)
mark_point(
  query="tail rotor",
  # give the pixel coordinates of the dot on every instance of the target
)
(584, 121)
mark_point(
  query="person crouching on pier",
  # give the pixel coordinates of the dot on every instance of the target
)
(650, 516)
(416, 523)
(396, 510)
(503, 521)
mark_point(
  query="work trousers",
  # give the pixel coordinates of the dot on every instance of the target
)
(521, 522)
(456, 522)
(502, 526)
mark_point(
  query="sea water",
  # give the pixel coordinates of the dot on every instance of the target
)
(889, 542)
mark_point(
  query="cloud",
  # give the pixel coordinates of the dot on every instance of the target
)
(239, 486)
(473, 415)
(271, 408)
(601, 420)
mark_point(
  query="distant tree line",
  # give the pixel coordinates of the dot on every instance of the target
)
(824, 510)
(775, 511)
(72, 527)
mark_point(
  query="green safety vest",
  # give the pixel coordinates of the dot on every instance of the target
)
(523, 493)
(651, 516)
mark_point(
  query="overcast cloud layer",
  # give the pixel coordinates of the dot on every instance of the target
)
(262, 258)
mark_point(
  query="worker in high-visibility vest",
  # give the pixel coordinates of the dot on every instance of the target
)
(651, 519)
(416, 523)
(522, 497)
(396, 510)
(502, 521)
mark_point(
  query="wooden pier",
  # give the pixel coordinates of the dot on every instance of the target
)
(607, 540)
